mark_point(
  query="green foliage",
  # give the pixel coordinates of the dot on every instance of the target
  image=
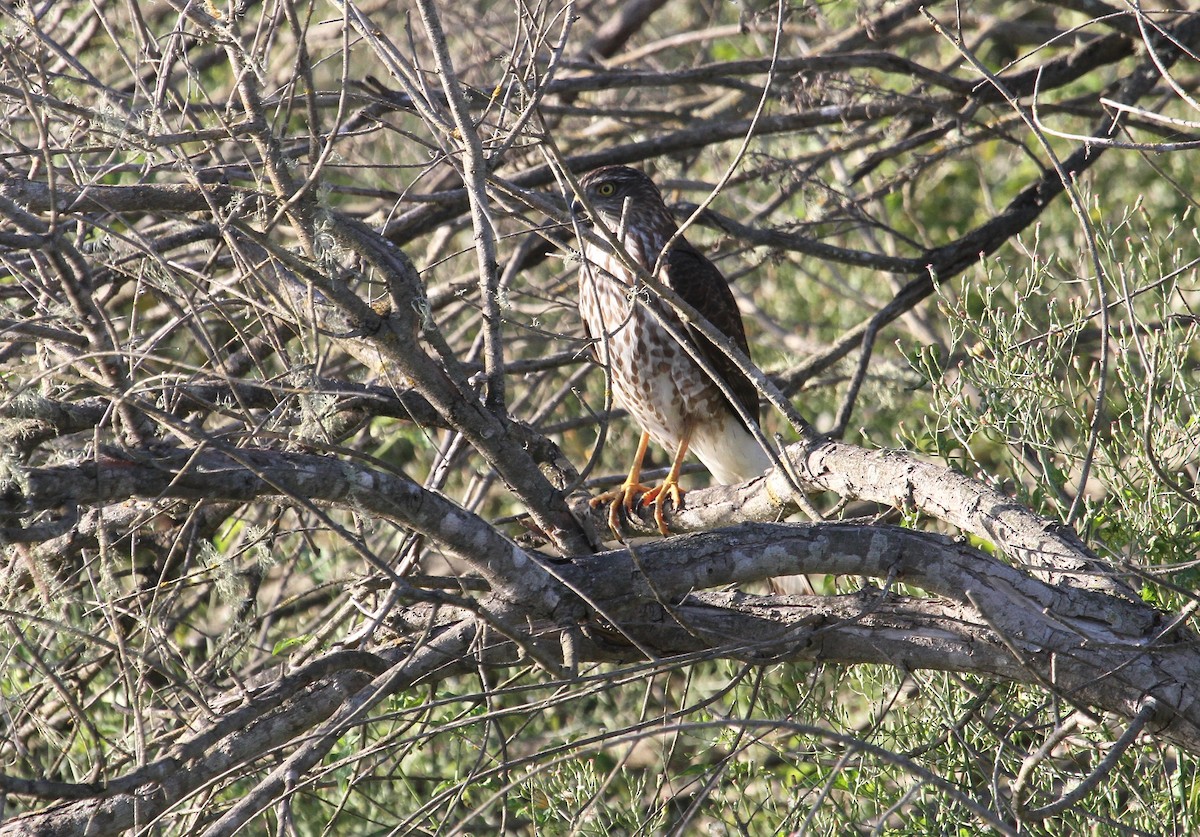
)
(1041, 339)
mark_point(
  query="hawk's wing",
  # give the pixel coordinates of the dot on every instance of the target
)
(701, 285)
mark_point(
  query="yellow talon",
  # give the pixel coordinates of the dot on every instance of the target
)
(627, 496)
(668, 490)
(632, 494)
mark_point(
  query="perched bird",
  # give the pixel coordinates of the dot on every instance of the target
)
(667, 392)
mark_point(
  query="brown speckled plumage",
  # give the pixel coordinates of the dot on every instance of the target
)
(653, 377)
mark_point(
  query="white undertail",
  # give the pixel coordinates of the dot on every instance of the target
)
(729, 451)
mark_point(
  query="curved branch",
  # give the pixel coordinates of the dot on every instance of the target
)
(244, 476)
(1089, 647)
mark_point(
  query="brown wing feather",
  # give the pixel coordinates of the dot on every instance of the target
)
(592, 351)
(701, 285)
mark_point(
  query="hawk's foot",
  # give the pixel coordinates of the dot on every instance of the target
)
(626, 497)
(668, 490)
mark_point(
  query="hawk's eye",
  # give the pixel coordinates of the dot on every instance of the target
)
(605, 189)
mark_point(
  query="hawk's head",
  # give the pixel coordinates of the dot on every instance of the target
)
(624, 198)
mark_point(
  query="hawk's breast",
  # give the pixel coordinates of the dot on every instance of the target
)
(653, 377)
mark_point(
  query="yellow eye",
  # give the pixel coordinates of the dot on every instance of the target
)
(605, 189)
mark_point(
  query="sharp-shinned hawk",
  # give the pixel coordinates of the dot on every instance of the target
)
(667, 392)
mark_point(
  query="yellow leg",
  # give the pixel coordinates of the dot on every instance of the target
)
(627, 495)
(670, 486)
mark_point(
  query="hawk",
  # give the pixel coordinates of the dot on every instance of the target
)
(654, 377)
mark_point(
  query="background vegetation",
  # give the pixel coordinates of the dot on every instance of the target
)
(297, 427)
